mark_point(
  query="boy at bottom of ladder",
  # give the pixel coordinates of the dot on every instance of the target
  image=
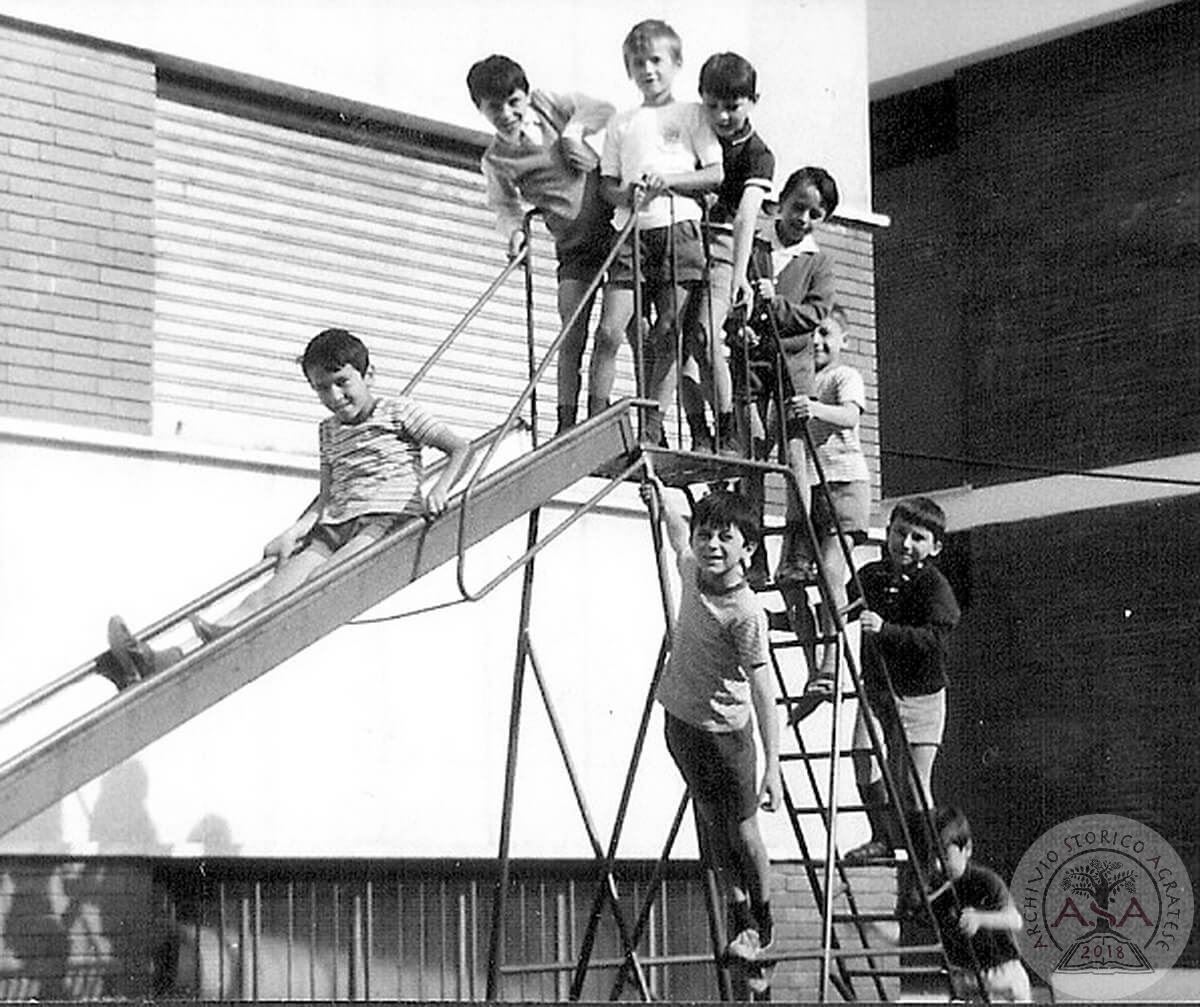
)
(714, 689)
(370, 468)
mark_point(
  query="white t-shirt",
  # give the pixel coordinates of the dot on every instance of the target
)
(665, 140)
(838, 448)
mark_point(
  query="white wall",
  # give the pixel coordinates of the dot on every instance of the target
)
(413, 55)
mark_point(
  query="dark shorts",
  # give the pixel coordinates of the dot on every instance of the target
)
(332, 537)
(718, 766)
(581, 244)
(685, 262)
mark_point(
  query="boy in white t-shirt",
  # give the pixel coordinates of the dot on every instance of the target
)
(668, 148)
(833, 413)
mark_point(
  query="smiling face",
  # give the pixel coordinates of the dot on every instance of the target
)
(799, 210)
(722, 554)
(728, 117)
(828, 339)
(910, 545)
(506, 116)
(653, 68)
(344, 392)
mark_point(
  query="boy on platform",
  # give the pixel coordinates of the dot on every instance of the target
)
(977, 917)
(370, 468)
(665, 150)
(541, 156)
(728, 92)
(714, 689)
(842, 508)
(794, 286)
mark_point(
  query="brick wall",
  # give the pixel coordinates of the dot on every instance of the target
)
(1044, 248)
(74, 930)
(1075, 678)
(76, 201)
(798, 926)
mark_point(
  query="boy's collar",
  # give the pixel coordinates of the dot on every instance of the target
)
(805, 246)
(747, 132)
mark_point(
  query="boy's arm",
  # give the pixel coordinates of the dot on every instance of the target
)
(287, 541)
(770, 794)
(587, 115)
(973, 919)
(505, 201)
(932, 635)
(701, 180)
(844, 414)
(678, 533)
(745, 221)
(457, 449)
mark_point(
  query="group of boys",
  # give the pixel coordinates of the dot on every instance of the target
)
(716, 687)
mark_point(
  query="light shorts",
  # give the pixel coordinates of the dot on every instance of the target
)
(850, 512)
(718, 766)
(1006, 981)
(329, 538)
(923, 718)
(660, 263)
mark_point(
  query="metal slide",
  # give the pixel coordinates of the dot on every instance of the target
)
(96, 742)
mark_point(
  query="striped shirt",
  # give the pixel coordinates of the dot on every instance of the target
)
(374, 466)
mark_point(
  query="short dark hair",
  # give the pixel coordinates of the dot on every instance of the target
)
(820, 180)
(923, 512)
(726, 509)
(333, 349)
(728, 76)
(644, 34)
(951, 822)
(496, 77)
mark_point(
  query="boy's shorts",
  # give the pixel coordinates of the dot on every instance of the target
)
(582, 244)
(329, 538)
(659, 262)
(847, 509)
(718, 766)
(1006, 981)
(923, 718)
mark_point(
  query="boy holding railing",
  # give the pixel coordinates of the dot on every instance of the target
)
(541, 156)
(370, 462)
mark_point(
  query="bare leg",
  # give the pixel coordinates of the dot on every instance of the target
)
(570, 353)
(616, 309)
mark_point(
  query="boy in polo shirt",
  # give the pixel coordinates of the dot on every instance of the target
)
(714, 689)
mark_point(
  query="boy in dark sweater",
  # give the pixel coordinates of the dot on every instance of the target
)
(908, 614)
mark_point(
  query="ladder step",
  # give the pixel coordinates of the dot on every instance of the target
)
(898, 971)
(865, 918)
(806, 755)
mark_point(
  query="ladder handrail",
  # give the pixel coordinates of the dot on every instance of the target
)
(529, 389)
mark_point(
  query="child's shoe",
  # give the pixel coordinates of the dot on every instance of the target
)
(873, 849)
(135, 658)
(745, 947)
(818, 690)
(108, 666)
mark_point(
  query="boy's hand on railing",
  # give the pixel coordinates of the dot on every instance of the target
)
(765, 288)
(799, 407)
(282, 546)
(871, 622)
(653, 183)
(435, 501)
(741, 292)
(651, 491)
(516, 243)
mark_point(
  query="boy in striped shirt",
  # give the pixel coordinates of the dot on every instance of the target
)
(370, 455)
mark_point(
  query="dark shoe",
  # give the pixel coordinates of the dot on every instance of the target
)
(108, 666)
(703, 444)
(819, 690)
(135, 658)
(207, 631)
(792, 571)
(874, 849)
(653, 433)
